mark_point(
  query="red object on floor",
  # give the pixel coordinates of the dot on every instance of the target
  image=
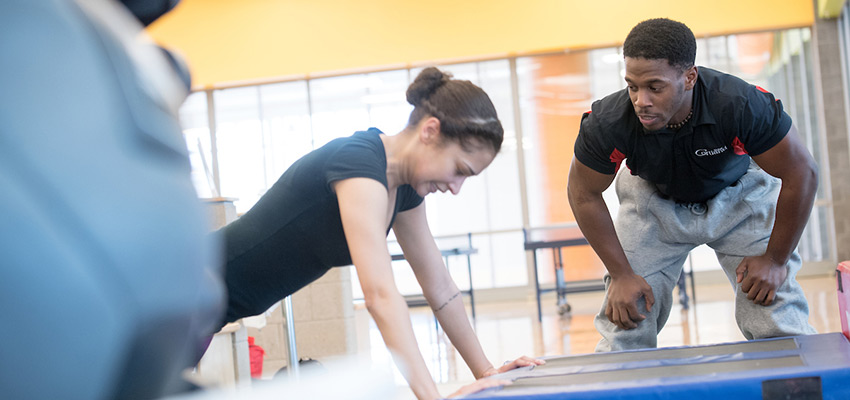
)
(843, 278)
(256, 353)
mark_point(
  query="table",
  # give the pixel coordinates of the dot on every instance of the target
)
(558, 237)
(799, 367)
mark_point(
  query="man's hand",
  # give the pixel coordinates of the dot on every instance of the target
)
(759, 277)
(623, 294)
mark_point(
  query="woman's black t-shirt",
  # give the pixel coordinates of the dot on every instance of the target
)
(294, 234)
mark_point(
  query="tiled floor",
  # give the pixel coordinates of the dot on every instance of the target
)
(509, 330)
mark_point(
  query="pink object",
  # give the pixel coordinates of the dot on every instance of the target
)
(843, 278)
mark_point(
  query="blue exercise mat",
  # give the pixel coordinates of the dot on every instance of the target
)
(800, 367)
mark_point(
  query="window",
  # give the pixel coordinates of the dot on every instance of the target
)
(195, 120)
(285, 117)
(240, 143)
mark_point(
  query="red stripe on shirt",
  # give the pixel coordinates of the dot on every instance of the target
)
(617, 157)
(738, 147)
(763, 90)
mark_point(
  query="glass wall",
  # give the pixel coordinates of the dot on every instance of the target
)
(260, 130)
(789, 71)
(488, 204)
(194, 118)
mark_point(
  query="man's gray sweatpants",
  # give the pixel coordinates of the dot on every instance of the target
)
(657, 234)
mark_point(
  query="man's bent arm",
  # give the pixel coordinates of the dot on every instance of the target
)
(791, 162)
(584, 191)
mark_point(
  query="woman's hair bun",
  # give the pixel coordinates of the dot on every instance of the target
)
(425, 84)
(464, 110)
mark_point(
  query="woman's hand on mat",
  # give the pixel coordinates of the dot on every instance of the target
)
(623, 294)
(479, 385)
(759, 277)
(523, 361)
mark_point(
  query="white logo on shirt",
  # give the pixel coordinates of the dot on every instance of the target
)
(705, 152)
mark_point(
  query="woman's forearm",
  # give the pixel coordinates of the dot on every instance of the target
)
(450, 312)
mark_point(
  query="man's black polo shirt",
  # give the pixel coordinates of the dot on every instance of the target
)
(732, 120)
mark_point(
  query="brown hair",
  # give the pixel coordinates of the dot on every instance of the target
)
(464, 110)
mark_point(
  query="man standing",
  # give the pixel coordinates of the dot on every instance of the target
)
(712, 160)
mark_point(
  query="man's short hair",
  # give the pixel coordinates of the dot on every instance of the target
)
(662, 39)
